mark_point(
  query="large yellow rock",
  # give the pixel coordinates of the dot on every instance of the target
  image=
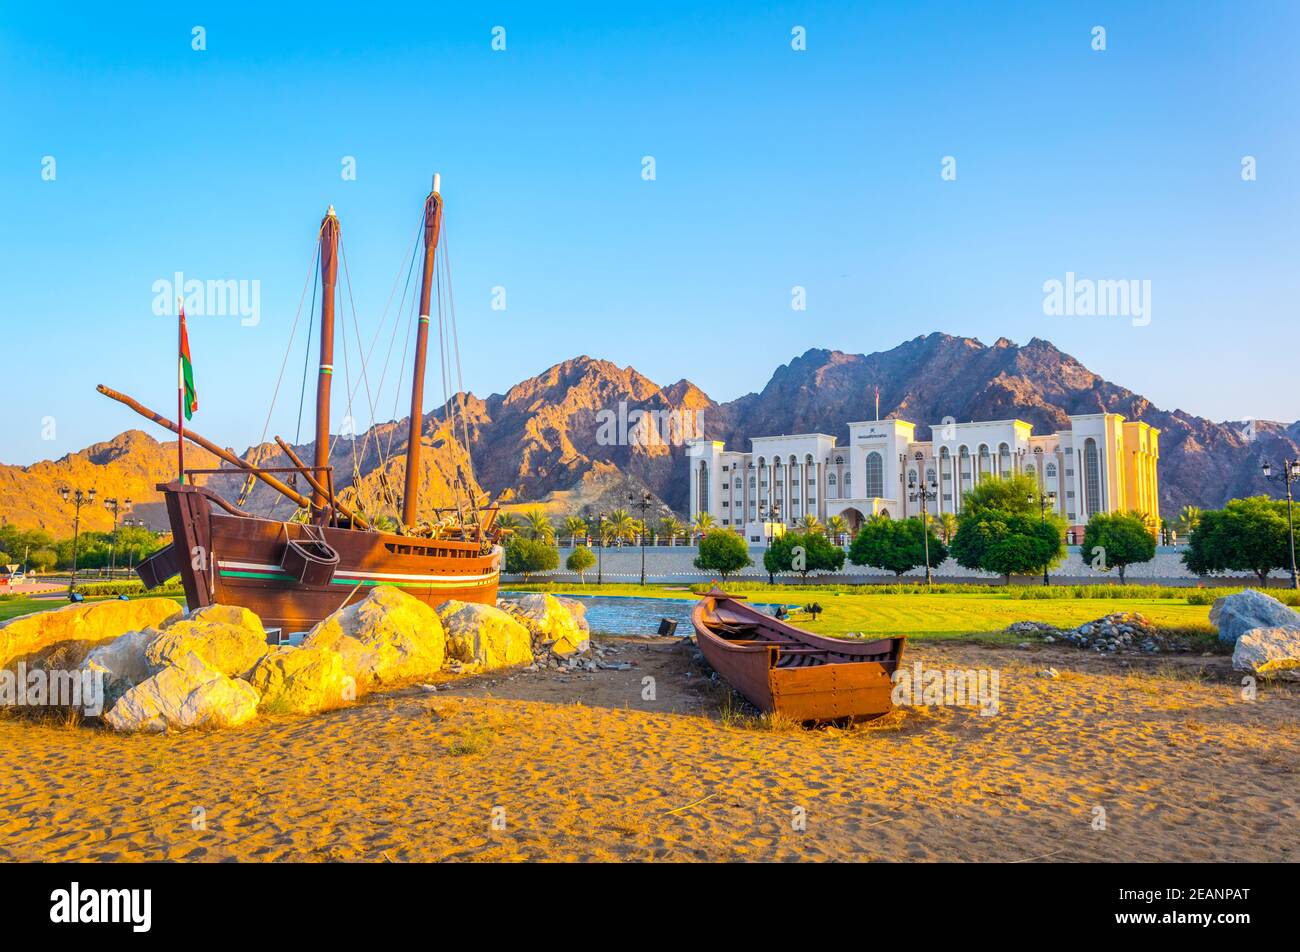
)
(550, 620)
(388, 637)
(300, 680)
(484, 635)
(229, 638)
(187, 694)
(63, 636)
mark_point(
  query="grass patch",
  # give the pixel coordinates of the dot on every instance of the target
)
(471, 740)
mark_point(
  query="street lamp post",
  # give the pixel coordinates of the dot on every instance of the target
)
(78, 498)
(600, 548)
(1290, 473)
(1044, 500)
(113, 506)
(130, 555)
(922, 492)
(643, 504)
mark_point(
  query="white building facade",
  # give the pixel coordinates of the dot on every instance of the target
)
(1101, 463)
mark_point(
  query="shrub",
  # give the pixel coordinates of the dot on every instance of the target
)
(722, 551)
(525, 556)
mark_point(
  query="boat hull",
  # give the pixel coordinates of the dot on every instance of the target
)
(783, 669)
(241, 560)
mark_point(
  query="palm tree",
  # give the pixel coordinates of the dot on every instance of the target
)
(537, 526)
(672, 528)
(947, 526)
(1190, 516)
(574, 526)
(809, 523)
(837, 529)
(509, 522)
(604, 530)
(703, 522)
(621, 525)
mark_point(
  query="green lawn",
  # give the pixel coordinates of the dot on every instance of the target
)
(922, 616)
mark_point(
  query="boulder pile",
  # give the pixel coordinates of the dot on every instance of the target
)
(165, 670)
(1116, 632)
(1264, 633)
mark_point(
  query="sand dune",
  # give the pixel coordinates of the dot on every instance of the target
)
(582, 768)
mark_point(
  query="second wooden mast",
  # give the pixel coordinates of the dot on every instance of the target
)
(329, 270)
(432, 225)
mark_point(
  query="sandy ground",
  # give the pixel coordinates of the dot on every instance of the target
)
(543, 766)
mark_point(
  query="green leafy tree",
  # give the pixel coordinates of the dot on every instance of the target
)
(837, 529)
(803, 553)
(723, 552)
(1007, 543)
(580, 560)
(525, 556)
(896, 545)
(1118, 540)
(574, 526)
(703, 523)
(1011, 494)
(508, 523)
(1246, 535)
(43, 559)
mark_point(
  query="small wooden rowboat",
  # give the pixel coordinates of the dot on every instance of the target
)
(781, 668)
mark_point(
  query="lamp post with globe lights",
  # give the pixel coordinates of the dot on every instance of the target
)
(115, 506)
(923, 492)
(78, 498)
(1044, 500)
(1290, 473)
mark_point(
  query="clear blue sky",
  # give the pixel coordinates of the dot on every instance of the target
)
(774, 168)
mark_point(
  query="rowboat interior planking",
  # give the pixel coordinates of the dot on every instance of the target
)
(783, 669)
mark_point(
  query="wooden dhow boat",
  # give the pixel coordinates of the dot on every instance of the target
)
(786, 670)
(294, 572)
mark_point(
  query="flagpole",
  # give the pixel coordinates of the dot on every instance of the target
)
(180, 388)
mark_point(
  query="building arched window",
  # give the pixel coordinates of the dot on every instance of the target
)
(1004, 459)
(830, 480)
(702, 500)
(875, 475)
(1051, 471)
(737, 482)
(984, 465)
(1092, 475)
(1029, 469)
(751, 482)
(839, 460)
(929, 476)
(963, 463)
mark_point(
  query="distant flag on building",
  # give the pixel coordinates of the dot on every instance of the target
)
(877, 403)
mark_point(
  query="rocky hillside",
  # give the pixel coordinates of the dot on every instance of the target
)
(586, 432)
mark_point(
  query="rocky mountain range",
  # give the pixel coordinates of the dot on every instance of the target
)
(586, 432)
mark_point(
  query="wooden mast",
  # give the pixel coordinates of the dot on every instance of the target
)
(432, 225)
(329, 270)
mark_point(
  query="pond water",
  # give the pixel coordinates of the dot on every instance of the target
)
(632, 615)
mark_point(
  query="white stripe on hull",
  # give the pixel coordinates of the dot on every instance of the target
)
(259, 567)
